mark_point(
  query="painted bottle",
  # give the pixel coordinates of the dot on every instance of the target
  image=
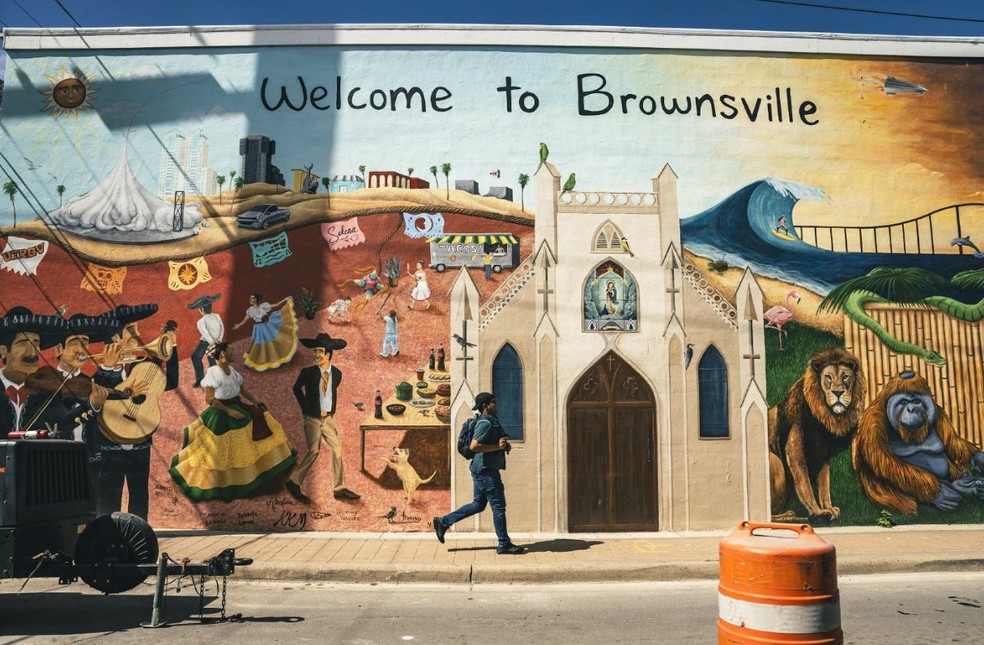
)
(430, 362)
(440, 358)
(379, 404)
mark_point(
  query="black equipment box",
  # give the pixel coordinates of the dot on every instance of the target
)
(45, 502)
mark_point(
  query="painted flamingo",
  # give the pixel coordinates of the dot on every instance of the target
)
(779, 315)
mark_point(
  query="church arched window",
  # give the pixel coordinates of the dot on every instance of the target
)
(607, 239)
(507, 386)
(712, 374)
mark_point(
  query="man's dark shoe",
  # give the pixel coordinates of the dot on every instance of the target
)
(295, 492)
(439, 529)
(511, 549)
(346, 494)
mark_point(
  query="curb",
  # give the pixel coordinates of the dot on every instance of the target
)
(557, 574)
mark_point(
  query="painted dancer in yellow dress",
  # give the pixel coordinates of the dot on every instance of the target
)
(274, 338)
(232, 448)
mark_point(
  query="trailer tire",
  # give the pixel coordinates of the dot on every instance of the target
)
(120, 538)
(496, 268)
(440, 268)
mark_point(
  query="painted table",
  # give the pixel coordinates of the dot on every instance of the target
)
(430, 435)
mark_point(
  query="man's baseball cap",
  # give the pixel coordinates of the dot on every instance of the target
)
(483, 399)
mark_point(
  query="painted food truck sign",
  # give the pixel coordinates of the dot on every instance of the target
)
(470, 250)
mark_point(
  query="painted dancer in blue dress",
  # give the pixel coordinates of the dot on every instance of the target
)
(274, 338)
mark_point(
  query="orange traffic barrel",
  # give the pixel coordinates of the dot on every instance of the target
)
(778, 584)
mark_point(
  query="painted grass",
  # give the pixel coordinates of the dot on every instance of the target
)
(785, 368)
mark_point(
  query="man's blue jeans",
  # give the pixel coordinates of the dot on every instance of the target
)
(488, 491)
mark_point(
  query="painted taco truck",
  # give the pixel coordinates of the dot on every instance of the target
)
(470, 249)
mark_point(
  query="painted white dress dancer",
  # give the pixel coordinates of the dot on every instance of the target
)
(421, 292)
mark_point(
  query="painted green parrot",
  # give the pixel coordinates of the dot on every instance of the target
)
(544, 153)
(569, 184)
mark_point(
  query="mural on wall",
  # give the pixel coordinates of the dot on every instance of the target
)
(261, 352)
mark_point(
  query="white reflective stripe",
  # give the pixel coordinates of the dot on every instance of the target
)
(780, 619)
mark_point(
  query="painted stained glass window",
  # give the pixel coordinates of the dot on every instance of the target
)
(610, 299)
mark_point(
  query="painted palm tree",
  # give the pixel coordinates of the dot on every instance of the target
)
(433, 171)
(232, 178)
(238, 184)
(326, 182)
(523, 180)
(60, 189)
(362, 173)
(220, 180)
(446, 170)
(10, 190)
(907, 287)
(410, 171)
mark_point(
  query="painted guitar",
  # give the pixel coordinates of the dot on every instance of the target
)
(135, 420)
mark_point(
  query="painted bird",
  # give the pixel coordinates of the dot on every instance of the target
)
(461, 341)
(389, 516)
(779, 315)
(625, 247)
(569, 184)
(544, 153)
(496, 173)
(360, 405)
(688, 355)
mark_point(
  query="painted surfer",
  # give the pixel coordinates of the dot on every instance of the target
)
(781, 225)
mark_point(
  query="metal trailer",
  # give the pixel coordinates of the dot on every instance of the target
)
(49, 528)
(469, 250)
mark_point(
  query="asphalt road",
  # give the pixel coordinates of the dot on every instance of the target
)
(928, 608)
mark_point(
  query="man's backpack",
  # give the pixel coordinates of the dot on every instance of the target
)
(465, 438)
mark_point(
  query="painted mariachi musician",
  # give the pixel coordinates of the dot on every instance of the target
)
(23, 336)
(120, 451)
(71, 398)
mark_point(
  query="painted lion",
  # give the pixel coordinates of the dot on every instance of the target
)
(817, 419)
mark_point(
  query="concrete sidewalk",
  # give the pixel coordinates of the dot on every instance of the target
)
(556, 558)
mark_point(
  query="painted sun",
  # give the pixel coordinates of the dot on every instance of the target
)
(70, 92)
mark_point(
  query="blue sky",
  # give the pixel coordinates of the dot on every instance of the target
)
(773, 15)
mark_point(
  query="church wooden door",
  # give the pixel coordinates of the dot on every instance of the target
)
(612, 450)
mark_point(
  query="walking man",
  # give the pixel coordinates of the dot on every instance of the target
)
(316, 390)
(490, 446)
(211, 329)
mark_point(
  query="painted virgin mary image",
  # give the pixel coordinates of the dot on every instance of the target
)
(611, 299)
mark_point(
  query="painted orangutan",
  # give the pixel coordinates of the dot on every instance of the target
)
(907, 452)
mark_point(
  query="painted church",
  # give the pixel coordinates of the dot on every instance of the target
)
(632, 390)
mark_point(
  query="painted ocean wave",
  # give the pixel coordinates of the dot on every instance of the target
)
(741, 230)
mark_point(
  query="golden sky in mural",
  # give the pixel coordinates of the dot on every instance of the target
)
(884, 158)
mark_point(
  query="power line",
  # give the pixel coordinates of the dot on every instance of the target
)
(28, 13)
(875, 11)
(68, 13)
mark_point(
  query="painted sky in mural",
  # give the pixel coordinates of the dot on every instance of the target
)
(882, 139)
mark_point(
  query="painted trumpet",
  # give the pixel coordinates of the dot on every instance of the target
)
(160, 348)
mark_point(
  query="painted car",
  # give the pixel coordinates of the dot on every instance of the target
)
(262, 216)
